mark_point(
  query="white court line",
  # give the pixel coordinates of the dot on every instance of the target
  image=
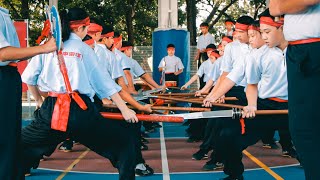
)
(202, 172)
(164, 159)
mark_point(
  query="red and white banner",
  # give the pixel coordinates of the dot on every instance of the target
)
(22, 31)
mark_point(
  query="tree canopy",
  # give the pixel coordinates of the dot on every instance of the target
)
(137, 19)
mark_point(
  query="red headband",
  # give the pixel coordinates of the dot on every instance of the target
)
(110, 34)
(77, 23)
(242, 27)
(228, 22)
(125, 48)
(215, 54)
(89, 42)
(94, 28)
(210, 49)
(270, 21)
(170, 48)
(251, 27)
(227, 39)
(118, 39)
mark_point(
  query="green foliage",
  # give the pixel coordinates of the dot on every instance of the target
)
(113, 12)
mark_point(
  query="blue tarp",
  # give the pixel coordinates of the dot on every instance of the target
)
(180, 38)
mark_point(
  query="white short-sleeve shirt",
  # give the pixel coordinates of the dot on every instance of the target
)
(8, 33)
(171, 64)
(84, 72)
(304, 25)
(205, 69)
(112, 65)
(268, 70)
(216, 72)
(234, 55)
(204, 41)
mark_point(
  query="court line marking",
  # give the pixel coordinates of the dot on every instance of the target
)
(70, 167)
(262, 165)
(164, 158)
(204, 172)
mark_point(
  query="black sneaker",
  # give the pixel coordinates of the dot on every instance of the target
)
(233, 178)
(64, 148)
(143, 170)
(156, 125)
(291, 153)
(27, 172)
(144, 140)
(186, 123)
(201, 154)
(211, 165)
(42, 159)
(149, 130)
(192, 140)
(144, 147)
(270, 146)
(143, 134)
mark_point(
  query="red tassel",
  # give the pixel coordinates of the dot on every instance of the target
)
(60, 115)
(243, 126)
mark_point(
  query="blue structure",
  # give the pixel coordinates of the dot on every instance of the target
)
(180, 38)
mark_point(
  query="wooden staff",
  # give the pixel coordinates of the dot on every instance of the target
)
(165, 108)
(200, 102)
(226, 99)
(142, 117)
(177, 94)
(192, 94)
(272, 112)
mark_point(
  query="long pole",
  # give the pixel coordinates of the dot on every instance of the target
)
(53, 3)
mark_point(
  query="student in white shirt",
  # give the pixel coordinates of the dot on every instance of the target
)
(206, 67)
(229, 25)
(79, 119)
(135, 68)
(171, 65)
(203, 41)
(124, 64)
(196, 129)
(112, 64)
(10, 93)
(302, 30)
(233, 73)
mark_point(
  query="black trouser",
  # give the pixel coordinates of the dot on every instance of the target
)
(232, 143)
(215, 126)
(135, 127)
(172, 77)
(197, 127)
(10, 119)
(268, 137)
(303, 65)
(109, 138)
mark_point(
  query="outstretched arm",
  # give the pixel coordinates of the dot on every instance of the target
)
(193, 79)
(279, 7)
(10, 53)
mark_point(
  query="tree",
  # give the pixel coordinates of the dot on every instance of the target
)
(191, 20)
